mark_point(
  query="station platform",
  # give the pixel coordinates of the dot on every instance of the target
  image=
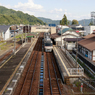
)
(10, 71)
(67, 64)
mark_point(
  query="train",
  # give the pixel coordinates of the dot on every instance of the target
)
(48, 44)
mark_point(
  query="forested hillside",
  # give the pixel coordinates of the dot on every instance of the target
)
(10, 16)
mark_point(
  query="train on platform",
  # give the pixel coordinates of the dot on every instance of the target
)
(48, 44)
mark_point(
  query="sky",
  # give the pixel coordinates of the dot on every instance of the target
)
(53, 9)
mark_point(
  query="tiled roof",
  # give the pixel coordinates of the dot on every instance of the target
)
(89, 36)
(3, 28)
(88, 43)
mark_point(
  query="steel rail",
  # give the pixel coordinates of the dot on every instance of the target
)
(49, 75)
(56, 76)
(34, 71)
(27, 72)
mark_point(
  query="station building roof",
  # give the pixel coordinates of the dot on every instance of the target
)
(89, 36)
(4, 28)
(88, 43)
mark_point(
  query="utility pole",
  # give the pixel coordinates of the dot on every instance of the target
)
(14, 43)
(22, 39)
(28, 28)
(76, 51)
(25, 34)
(65, 45)
(61, 35)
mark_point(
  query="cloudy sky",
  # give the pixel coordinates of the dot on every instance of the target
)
(53, 9)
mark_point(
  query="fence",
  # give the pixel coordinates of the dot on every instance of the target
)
(74, 71)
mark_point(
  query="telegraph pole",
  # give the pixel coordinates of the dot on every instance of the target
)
(14, 43)
(25, 34)
(61, 35)
(76, 51)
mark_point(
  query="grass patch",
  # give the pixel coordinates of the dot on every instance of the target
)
(5, 46)
(77, 83)
(20, 36)
(1, 42)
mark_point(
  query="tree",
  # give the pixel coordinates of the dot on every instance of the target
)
(64, 21)
(74, 22)
(91, 23)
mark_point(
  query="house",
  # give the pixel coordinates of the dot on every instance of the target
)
(4, 32)
(78, 28)
(27, 29)
(65, 33)
(87, 46)
(89, 30)
(70, 43)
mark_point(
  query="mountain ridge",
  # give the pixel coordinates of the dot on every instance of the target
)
(84, 22)
(11, 16)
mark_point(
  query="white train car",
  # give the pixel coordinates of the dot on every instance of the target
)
(48, 45)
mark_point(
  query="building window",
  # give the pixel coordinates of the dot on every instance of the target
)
(86, 53)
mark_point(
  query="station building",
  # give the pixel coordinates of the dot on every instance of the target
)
(89, 30)
(66, 37)
(87, 46)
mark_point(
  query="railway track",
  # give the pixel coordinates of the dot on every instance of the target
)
(29, 82)
(54, 84)
(41, 75)
(52, 77)
(8, 53)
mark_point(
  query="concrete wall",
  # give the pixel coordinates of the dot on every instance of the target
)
(93, 55)
(35, 29)
(53, 30)
(43, 29)
(89, 29)
(7, 35)
(70, 46)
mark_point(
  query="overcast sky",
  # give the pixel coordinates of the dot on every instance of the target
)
(53, 9)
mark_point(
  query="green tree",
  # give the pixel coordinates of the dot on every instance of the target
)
(91, 23)
(64, 21)
(74, 22)
(60, 22)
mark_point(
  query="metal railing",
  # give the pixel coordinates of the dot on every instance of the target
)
(74, 71)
